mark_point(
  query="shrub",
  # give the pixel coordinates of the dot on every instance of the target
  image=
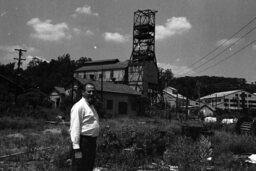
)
(237, 144)
(134, 139)
(188, 154)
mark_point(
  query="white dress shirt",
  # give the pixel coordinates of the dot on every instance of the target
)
(84, 120)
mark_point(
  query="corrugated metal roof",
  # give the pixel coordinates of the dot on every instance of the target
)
(220, 94)
(169, 91)
(209, 106)
(110, 87)
(119, 65)
(61, 90)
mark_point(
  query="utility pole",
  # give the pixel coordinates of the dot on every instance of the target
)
(101, 85)
(20, 59)
(18, 70)
(198, 86)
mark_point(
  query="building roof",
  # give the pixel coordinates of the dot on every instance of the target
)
(208, 106)
(11, 82)
(170, 91)
(118, 65)
(101, 62)
(220, 94)
(7, 79)
(110, 87)
(60, 90)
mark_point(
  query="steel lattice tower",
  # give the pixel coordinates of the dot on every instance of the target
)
(143, 71)
(143, 36)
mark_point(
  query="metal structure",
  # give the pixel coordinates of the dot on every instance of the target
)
(144, 36)
(142, 70)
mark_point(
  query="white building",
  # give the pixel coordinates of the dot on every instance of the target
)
(57, 95)
(231, 100)
(173, 98)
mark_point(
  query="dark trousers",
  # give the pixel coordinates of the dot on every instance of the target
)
(88, 149)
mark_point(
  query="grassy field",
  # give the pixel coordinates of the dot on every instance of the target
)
(124, 144)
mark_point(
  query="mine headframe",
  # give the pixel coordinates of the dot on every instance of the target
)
(143, 71)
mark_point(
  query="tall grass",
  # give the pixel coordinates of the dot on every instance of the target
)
(19, 122)
(130, 143)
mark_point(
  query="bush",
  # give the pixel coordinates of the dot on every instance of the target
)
(188, 154)
(237, 144)
(125, 138)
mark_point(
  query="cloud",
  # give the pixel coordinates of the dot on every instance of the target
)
(11, 49)
(77, 30)
(89, 33)
(115, 37)
(173, 26)
(3, 14)
(226, 42)
(176, 70)
(47, 31)
(254, 46)
(86, 9)
(8, 53)
(29, 58)
(86, 33)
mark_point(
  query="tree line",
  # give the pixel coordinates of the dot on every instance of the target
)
(59, 72)
(45, 75)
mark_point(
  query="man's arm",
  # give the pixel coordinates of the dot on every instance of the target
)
(75, 126)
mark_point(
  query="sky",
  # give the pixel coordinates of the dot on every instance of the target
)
(186, 32)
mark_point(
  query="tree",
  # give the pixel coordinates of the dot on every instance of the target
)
(81, 61)
(34, 62)
(165, 77)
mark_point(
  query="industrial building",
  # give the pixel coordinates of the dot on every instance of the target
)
(231, 100)
(140, 72)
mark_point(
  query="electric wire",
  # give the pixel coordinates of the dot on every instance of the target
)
(223, 42)
(221, 45)
(228, 47)
(228, 56)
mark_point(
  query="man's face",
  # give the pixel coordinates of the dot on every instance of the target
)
(89, 93)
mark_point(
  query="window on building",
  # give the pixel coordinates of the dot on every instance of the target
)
(100, 76)
(249, 95)
(92, 77)
(109, 104)
(122, 108)
(133, 106)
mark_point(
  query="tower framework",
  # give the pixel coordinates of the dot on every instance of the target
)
(143, 71)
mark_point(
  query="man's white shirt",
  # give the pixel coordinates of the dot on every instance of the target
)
(84, 120)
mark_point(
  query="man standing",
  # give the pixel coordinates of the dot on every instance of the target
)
(84, 129)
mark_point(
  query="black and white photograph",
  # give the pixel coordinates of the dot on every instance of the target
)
(127, 85)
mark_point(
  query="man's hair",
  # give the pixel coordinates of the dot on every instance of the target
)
(88, 84)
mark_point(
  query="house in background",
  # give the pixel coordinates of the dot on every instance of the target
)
(143, 79)
(118, 99)
(231, 100)
(110, 70)
(173, 98)
(57, 96)
(207, 110)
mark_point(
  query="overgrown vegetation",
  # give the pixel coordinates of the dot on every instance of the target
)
(126, 144)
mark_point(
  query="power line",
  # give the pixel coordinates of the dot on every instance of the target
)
(228, 56)
(214, 57)
(200, 59)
